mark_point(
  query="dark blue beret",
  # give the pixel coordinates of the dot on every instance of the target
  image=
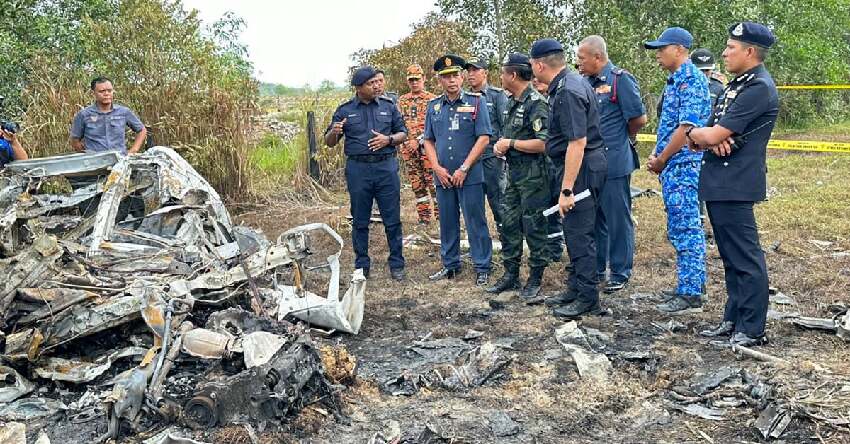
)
(362, 75)
(516, 59)
(752, 33)
(544, 47)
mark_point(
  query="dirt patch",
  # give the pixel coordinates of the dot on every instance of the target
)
(541, 390)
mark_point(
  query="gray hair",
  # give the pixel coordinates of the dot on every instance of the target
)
(596, 44)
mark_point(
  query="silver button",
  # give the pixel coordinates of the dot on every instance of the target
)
(726, 164)
(703, 162)
(450, 148)
(451, 158)
(450, 137)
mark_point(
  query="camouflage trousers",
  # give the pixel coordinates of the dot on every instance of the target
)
(679, 185)
(526, 196)
(421, 178)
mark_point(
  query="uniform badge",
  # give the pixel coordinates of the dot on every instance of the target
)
(739, 30)
(448, 61)
(537, 125)
(604, 89)
(93, 118)
(465, 109)
(436, 107)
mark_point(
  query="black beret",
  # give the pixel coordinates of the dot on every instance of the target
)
(517, 59)
(544, 47)
(752, 33)
(362, 75)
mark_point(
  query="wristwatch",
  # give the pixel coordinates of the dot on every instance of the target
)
(464, 168)
(567, 192)
(390, 138)
(512, 145)
(688, 132)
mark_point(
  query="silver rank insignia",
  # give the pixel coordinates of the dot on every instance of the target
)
(739, 30)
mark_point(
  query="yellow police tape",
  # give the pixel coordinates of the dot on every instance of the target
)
(813, 87)
(795, 145)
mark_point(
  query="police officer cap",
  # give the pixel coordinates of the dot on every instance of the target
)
(448, 64)
(517, 59)
(543, 47)
(476, 62)
(671, 36)
(362, 75)
(703, 59)
(752, 33)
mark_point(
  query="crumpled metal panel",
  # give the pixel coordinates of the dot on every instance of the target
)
(66, 164)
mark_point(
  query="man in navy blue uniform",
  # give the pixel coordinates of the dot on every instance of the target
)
(733, 178)
(621, 116)
(578, 153)
(457, 130)
(372, 127)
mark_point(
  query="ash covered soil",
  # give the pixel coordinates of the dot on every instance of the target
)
(539, 397)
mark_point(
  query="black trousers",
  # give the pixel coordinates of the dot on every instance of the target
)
(744, 266)
(579, 225)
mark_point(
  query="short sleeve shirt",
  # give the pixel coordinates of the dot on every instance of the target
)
(686, 101)
(618, 100)
(361, 118)
(454, 126)
(748, 107)
(105, 131)
(573, 114)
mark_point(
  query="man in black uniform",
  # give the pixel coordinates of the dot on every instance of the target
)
(576, 148)
(703, 59)
(733, 178)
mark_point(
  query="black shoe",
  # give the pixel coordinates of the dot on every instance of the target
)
(563, 298)
(577, 309)
(725, 328)
(445, 273)
(508, 281)
(366, 273)
(744, 340)
(681, 305)
(397, 274)
(531, 292)
(482, 278)
(612, 287)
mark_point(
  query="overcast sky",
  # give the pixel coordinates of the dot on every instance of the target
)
(298, 42)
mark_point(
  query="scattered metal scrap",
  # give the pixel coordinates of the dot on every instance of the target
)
(109, 262)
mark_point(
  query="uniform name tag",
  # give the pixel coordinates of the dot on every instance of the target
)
(465, 109)
(604, 89)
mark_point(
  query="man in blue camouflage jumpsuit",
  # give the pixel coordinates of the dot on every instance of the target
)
(685, 105)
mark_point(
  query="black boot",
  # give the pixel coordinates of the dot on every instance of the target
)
(508, 281)
(531, 292)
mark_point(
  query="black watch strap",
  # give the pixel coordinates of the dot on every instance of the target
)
(567, 192)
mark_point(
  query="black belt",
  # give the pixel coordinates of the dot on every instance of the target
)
(371, 158)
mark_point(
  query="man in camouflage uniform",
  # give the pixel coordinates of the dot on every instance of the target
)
(527, 195)
(419, 173)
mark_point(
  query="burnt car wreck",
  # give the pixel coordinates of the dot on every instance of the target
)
(131, 302)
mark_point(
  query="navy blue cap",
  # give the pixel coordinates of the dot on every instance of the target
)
(543, 47)
(516, 59)
(752, 33)
(448, 64)
(477, 62)
(671, 36)
(362, 75)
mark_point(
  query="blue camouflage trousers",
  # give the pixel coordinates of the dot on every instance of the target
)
(679, 186)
